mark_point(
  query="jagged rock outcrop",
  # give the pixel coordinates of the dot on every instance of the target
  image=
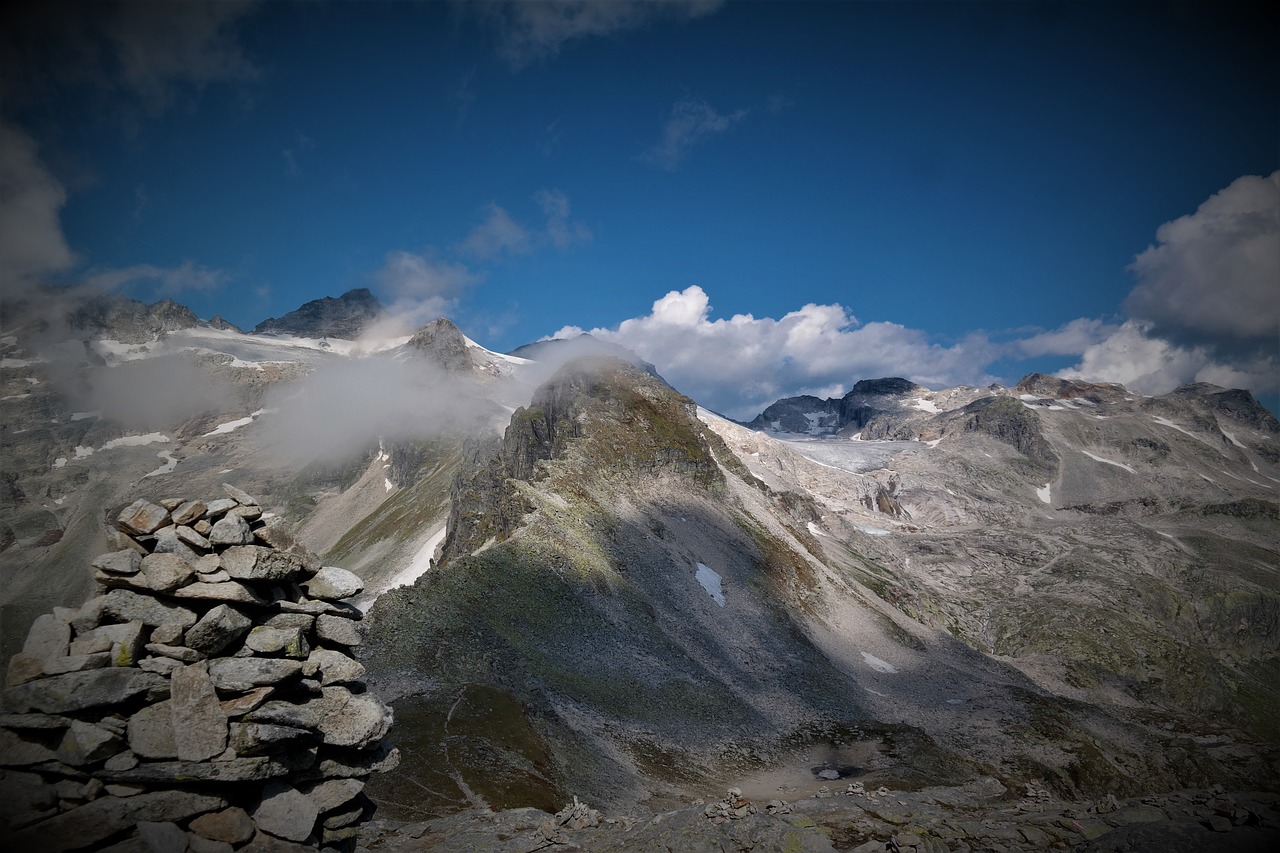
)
(637, 424)
(443, 342)
(343, 317)
(205, 700)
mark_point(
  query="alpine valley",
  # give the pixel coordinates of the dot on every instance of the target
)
(1037, 617)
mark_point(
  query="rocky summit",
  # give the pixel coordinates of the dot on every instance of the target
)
(206, 700)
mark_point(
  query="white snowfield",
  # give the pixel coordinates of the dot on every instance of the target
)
(1045, 493)
(710, 580)
(232, 426)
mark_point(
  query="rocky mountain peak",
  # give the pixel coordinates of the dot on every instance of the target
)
(445, 344)
(889, 386)
(1043, 385)
(128, 320)
(343, 317)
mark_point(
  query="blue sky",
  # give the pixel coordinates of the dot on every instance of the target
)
(761, 198)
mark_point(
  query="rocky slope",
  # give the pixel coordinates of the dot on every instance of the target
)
(343, 317)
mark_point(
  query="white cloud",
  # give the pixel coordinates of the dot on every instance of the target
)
(692, 121)
(499, 234)
(1145, 362)
(533, 31)
(741, 364)
(1206, 307)
(1213, 277)
(421, 287)
(32, 244)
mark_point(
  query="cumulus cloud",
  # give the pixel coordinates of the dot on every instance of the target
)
(1206, 307)
(1139, 359)
(32, 244)
(692, 122)
(532, 31)
(741, 364)
(1213, 276)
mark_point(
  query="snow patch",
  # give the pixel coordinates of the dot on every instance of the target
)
(872, 531)
(387, 484)
(83, 452)
(15, 397)
(421, 562)
(1231, 438)
(876, 692)
(232, 426)
(710, 580)
(1045, 494)
(79, 416)
(815, 530)
(926, 405)
(877, 664)
(135, 440)
(170, 463)
(1108, 461)
(59, 462)
(933, 443)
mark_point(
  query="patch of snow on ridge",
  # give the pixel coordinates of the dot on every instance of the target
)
(170, 462)
(1045, 494)
(1108, 461)
(815, 530)
(135, 441)
(710, 580)
(421, 562)
(79, 416)
(872, 531)
(926, 405)
(232, 426)
(1231, 438)
(877, 664)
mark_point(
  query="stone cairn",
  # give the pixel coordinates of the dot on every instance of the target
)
(206, 701)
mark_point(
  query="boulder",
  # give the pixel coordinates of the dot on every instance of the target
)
(285, 812)
(151, 733)
(188, 512)
(125, 605)
(254, 562)
(333, 583)
(166, 572)
(123, 562)
(218, 629)
(338, 629)
(106, 816)
(289, 642)
(84, 743)
(142, 517)
(197, 714)
(241, 497)
(77, 691)
(223, 590)
(333, 667)
(242, 674)
(231, 530)
(230, 825)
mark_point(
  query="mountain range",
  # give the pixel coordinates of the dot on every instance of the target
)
(581, 583)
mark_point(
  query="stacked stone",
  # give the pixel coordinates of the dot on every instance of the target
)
(207, 700)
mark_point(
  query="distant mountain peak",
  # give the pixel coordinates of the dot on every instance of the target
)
(343, 317)
(444, 343)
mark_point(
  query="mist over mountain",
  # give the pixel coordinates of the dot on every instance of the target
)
(579, 582)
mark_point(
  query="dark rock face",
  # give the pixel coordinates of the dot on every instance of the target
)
(637, 424)
(129, 320)
(1052, 387)
(1007, 420)
(870, 400)
(442, 342)
(344, 317)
